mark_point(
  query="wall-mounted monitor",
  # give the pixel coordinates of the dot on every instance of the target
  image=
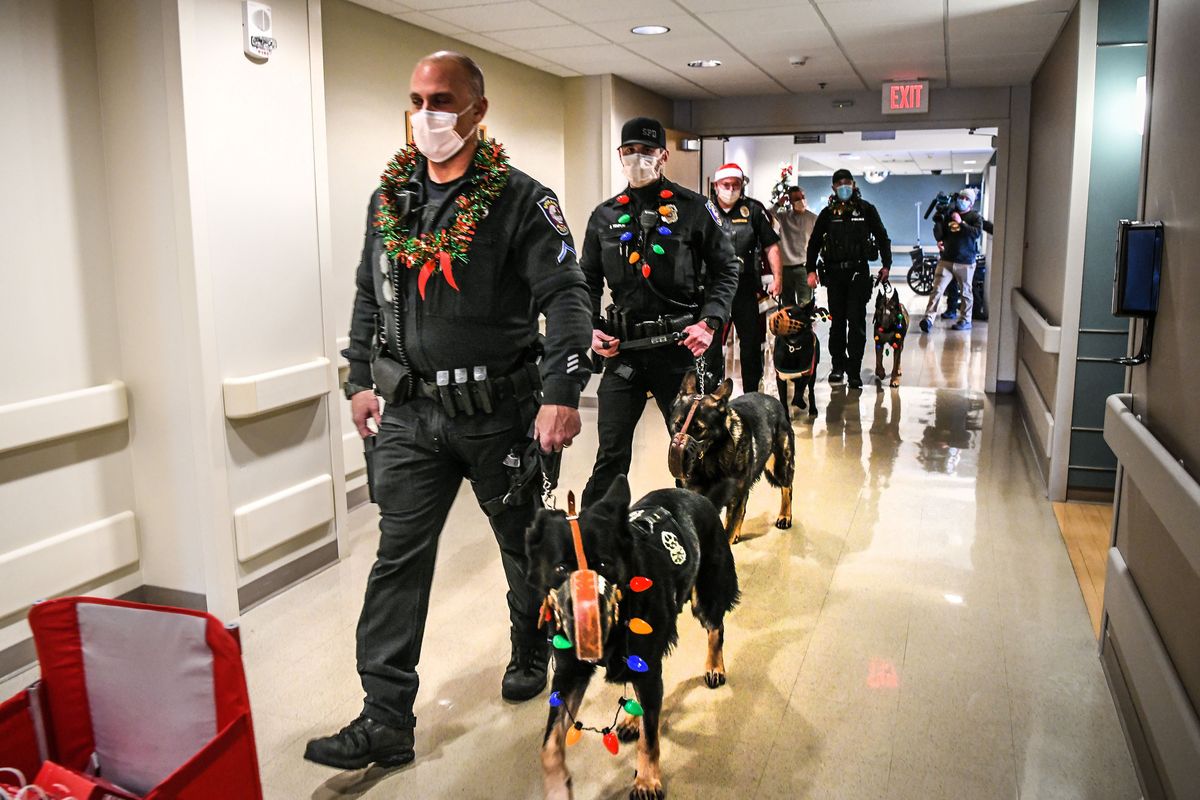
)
(1139, 268)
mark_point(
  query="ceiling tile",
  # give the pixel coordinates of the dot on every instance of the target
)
(486, 42)
(428, 5)
(499, 16)
(384, 6)
(682, 27)
(880, 12)
(546, 66)
(740, 21)
(702, 6)
(588, 60)
(423, 20)
(554, 36)
(1012, 27)
(632, 12)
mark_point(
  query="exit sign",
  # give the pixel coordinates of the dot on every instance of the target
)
(906, 97)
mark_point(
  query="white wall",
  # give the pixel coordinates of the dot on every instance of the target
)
(58, 326)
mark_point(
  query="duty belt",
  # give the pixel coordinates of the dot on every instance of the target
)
(480, 395)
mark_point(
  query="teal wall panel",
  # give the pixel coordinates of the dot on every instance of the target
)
(1123, 21)
(1112, 195)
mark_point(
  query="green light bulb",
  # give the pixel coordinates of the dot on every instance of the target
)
(633, 708)
(658, 248)
(561, 642)
(624, 219)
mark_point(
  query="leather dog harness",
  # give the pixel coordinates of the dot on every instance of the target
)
(681, 442)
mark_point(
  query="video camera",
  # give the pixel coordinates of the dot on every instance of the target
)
(941, 204)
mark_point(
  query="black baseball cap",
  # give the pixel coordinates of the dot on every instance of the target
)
(644, 130)
(842, 175)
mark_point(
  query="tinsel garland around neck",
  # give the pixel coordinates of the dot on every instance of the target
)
(437, 251)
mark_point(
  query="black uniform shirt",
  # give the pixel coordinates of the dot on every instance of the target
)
(696, 253)
(752, 232)
(521, 261)
(843, 231)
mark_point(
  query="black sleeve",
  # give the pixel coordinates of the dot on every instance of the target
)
(362, 318)
(970, 225)
(987, 226)
(817, 238)
(721, 266)
(763, 228)
(939, 230)
(548, 264)
(593, 266)
(881, 237)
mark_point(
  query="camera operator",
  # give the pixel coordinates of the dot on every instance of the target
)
(957, 231)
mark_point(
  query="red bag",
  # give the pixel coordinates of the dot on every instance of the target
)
(60, 782)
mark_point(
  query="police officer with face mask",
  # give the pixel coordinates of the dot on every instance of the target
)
(462, 250)
(753, 234)
(672, 273)
(847, 235)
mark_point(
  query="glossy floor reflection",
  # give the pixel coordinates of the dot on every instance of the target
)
(918, 634)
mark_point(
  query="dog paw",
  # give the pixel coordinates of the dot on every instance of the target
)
(895, 384)
(783, 523)
(629, 729)
(880, 374)
(714, 679)
(812, 412)
(646, 789)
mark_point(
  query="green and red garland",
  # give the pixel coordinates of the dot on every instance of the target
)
(438, 250)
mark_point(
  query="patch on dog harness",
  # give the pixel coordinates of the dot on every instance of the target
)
(660, 518)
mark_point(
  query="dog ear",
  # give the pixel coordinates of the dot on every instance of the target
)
(724, 390)
(689, 383)
(618, 494)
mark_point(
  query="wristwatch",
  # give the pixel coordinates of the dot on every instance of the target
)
(713, 322)
(351, 389)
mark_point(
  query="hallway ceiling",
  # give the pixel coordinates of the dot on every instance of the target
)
(910, 153)
(849, 44)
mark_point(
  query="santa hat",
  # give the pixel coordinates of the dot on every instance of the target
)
(729, 170)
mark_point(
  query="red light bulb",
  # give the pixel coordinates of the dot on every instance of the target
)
(611, 743)
(623, 199)
(640, 584)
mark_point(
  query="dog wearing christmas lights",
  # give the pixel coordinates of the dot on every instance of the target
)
(715, 439)
(645, 562)
(891, 327)
(797, 352)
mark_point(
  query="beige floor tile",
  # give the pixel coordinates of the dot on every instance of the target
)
(918, 633)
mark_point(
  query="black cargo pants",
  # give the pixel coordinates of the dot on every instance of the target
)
(420, 459)
(849, 290)
(621, 402)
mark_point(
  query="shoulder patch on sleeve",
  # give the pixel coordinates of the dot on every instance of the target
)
(712, 210)
(554, 215)
(562, 253)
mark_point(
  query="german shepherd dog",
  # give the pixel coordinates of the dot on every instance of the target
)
(674, 538)
(740, 439)
(891, 328)
(797, 353)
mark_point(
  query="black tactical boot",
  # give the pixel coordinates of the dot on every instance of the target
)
(361, 743)
(525, 676)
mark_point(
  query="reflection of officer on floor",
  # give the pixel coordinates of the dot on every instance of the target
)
(461, 252)
(672, 274)
(753, 235)
(848, 234)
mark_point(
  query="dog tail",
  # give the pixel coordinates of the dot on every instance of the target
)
(723, 493)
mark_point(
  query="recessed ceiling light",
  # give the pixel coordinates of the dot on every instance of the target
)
(650, 30)
(706, 63)
(849, 156)
(969, 162)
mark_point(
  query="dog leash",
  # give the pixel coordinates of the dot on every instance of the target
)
(576, 533)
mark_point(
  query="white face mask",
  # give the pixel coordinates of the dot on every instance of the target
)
(727, 196)
(434, 133)
(640, 169)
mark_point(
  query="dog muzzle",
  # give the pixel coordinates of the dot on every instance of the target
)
(586, 607)
(685, 448)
